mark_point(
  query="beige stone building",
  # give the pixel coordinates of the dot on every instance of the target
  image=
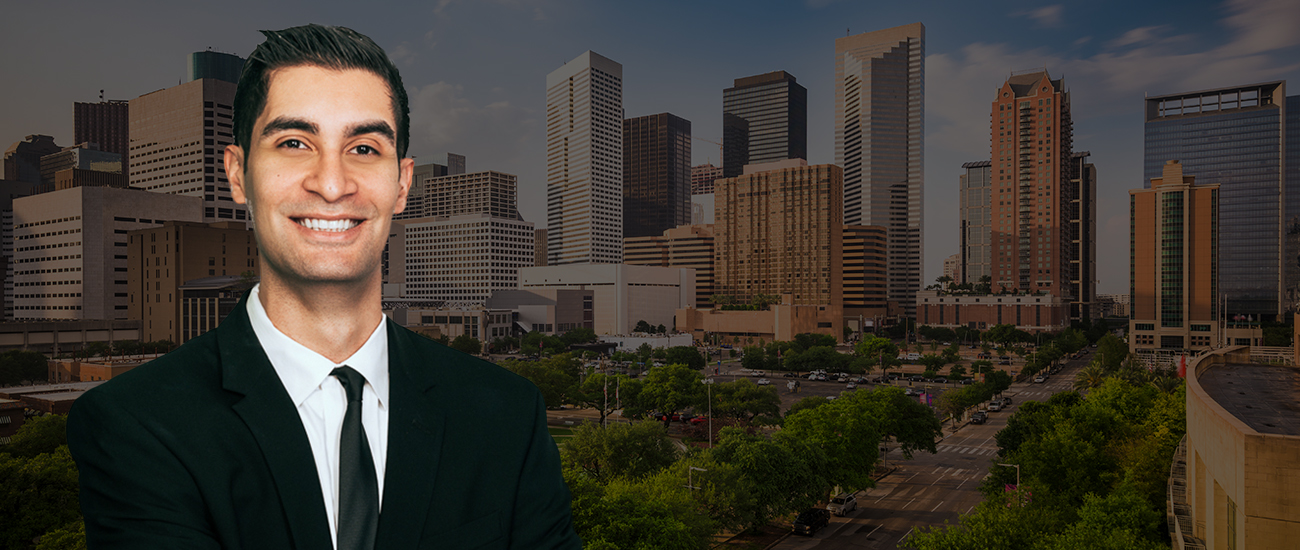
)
(162, 259)
(689, 246)
(1234, 480)
(780, 231)
(779, 322)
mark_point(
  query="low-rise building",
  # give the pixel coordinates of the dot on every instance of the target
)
(622, 294)
(1028, 312)
(778, 322)
(549, 311)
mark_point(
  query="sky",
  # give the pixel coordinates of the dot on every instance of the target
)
(476, 71)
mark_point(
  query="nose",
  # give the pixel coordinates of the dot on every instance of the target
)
(330, 179)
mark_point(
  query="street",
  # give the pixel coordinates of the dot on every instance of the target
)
(928, 490)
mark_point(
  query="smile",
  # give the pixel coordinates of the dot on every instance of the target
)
(332, 226)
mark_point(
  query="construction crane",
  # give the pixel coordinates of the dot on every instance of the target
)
(713, 142)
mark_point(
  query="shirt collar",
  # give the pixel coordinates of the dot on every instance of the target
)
(302, 370)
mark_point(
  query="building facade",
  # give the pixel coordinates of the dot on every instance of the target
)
(85, 156)
(880, 144)
(1028, 312)
(779, 230)
(461, 260)
(1174, 263)
(492, 193)
(764, 119)
(656, 174)
(71, 249)
(206, 301)
(549, 311)
(161, 261)
(584, 161)
(107, 123)
(702, 178)
(621, 294)
(214, 65)
(688, 246)
(975, 186)
(23, 158)
(10, 190)
(1236, 137)
(865, 265)
(178, 141)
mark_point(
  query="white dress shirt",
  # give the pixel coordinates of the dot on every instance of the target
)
(322, 401)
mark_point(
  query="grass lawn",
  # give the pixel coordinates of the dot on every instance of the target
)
(560, 433)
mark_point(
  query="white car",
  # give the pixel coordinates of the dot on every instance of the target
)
(764, 381)
(758, 373)
(851, 386)
(1039, 380)
(995, 405)
(843, 504)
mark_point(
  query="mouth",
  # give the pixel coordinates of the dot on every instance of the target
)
(328, 226)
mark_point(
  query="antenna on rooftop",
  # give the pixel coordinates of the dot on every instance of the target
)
(101, 96)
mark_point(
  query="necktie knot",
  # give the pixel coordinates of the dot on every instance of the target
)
(353, 382)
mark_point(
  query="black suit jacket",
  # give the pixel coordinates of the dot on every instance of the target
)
(202, 448)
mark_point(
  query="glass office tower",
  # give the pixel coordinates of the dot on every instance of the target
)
(764, 119)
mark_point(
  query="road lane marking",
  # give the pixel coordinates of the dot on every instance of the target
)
(909, 531)
(873, 531)
(936, 506)
(972, 507)
(909, 503)
(936, 469)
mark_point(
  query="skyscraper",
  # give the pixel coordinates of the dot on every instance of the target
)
(702, 178)
(656, 174)
(107, 123)
(178, 138)
(215, 65)
(1236, 137)
(584, 161)
(976, 226)
(764, 119)
(880, 143)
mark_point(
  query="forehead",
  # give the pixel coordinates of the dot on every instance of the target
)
(312, 91)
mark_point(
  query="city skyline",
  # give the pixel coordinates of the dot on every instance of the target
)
(480, 93)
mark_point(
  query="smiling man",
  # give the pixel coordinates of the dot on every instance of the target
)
(306, 419)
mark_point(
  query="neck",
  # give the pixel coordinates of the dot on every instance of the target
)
(333, 319)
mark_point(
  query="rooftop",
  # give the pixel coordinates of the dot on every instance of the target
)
(1265, 397)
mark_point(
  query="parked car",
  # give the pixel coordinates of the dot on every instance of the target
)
(843, 504)
(893, 376)
(910, 392)
(916, 378)
(995, 406)
(967, 381)
(913, 356)
(699, 420)
(821, 378)
(758, 373)
(1004, 362)
(790, 375)
(842, 379)
(1006, 401)
(851, 386)
(941, 380)
(978, 417)
(764, 382)
(812, 520)
(1039, 379)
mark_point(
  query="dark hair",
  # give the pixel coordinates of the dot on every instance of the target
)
(330, 47)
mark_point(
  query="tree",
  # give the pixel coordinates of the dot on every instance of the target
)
(618, 450)
(1089, 377)
(848, 333)
(467, 344)
(38, 435)
(642, 326)
(18, 366)
(745, 400)
(980, 366)
(810, 402)
(637, 514)
(580, 335)
(809, 340)
(644, 352)
(671, 388)
(956, 372)
(754, 358)
(39, 495)
(600, 391)
(932, 362)
(684, 355)
(881, 349)
(847, 433)
(69, 537)
(783, 473)
(1111, 352)
(556, 377)
(817, 357)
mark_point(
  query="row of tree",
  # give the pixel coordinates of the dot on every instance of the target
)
(38, 489)
(22, 367)
(632, 488)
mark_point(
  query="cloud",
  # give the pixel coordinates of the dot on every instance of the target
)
(444, 119)
(1135, 36)
(1263, 25)
(1046, 16)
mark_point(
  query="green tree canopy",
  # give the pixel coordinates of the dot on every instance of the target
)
(18, 366)
(744, 400)
(672, 388)
(467, 344)
(685, 355)
(618, 450)
(38, 435)
(556, 377)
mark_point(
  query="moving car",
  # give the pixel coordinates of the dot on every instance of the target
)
(811, 520)
(764, 382)
(1040, 379)
(843, 504)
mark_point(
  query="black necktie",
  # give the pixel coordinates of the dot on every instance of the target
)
(358, 489)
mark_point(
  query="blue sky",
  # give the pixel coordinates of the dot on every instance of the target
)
(476, 71)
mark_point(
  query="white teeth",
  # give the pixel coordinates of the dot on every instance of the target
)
(334, 226)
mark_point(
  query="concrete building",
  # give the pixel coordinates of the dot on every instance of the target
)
(539, 247)
(880, 144)
(206, 301)
(764, 119)
(55, 337)
(1112, 305)
(1235, 476)
(781, 321)
(85, 156)
(489, 192)
(1081, 226)
(483, 324)
(656, 174)
(107, 123)
(461, 260)
(703, 208)
(70, 248)
(76, 177)
(415, 196)
(779, 231)
(688, 246)
(975, 186)
(1175, 264)
(952, 268)
(622, 294)
(10, 190)
(178, 139)
(161, 260)
(49, 398)
(702, 178)
(546, 310)
(1028, 312)
(22, 160)
(865, 264)
(584, 161)
(1238, 136)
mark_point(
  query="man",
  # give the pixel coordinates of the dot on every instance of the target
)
(306, 420)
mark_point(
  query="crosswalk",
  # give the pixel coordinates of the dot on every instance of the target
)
(963, 449)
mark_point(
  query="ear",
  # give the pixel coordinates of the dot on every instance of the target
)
(406, 172)
(235, 173)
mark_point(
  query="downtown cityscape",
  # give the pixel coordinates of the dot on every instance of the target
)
(814, 274)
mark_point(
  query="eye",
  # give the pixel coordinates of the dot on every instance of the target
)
(365, 150)
(293, 144)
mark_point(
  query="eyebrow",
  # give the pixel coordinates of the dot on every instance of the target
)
(281, 124)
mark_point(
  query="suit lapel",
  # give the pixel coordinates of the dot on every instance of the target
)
(415, 428)
(273, 420)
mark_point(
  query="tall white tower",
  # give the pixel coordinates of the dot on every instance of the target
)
(584, 161)
(880, 143)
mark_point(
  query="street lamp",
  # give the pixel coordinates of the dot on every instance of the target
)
(709, 383)
(690, 484)
(1017, 466)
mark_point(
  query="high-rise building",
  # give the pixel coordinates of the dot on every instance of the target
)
(976, 221)
(415, 196)
(162, 259)
(178, 139)
(85, 156)
(952, 268)
(764, 119)
(10, 190)
(584, 161)
(1080, 222)
(214, 65)
(70, 248)
(107, 123)
(779, 230)
(880, 143)
(462, 259)
(1174, 262)
(489, 192)
(23, 158)
(702, 178)
(1237, 137)
(656, 174)
(864, 271)
(689, 246)
(1033, 185)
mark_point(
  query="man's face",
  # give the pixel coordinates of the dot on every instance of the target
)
(321, 175)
